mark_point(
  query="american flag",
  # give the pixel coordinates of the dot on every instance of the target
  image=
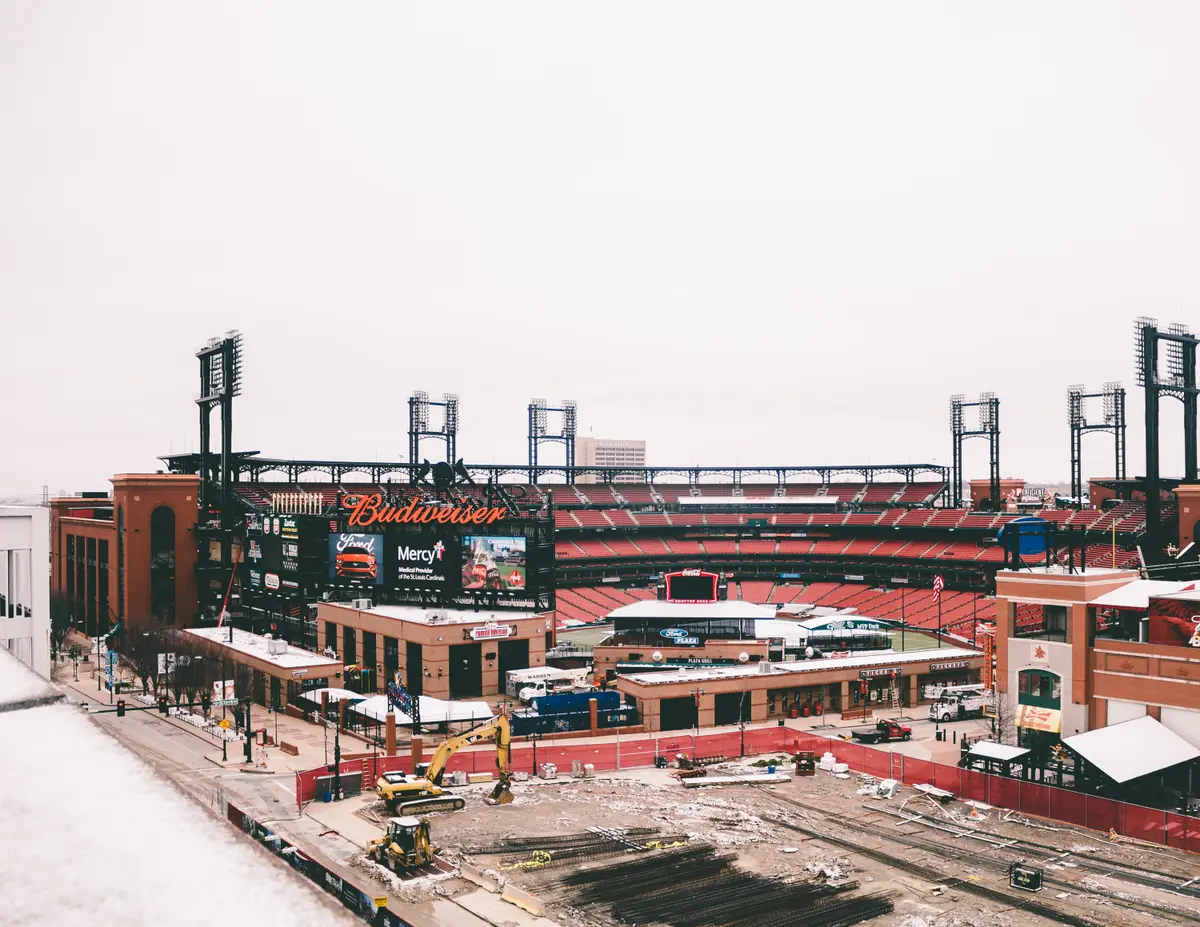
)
(938, 585)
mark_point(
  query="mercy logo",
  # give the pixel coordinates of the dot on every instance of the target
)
(420, 554)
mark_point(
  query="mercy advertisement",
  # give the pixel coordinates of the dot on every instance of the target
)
(419, 558)
(356, 556)
(493, 563)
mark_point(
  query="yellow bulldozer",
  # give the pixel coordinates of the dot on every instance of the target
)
(404, 846)
(422, 792)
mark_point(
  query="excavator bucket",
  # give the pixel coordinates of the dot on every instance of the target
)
(502, 794)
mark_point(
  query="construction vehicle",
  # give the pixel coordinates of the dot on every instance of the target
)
(886, 729)
(957, 702)
(404, 846)
(422, 792)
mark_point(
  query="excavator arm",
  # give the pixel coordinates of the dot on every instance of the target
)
(496, 729)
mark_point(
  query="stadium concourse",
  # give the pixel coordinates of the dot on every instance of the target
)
(592, 604)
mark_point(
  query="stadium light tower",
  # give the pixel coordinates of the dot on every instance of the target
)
(539, 433)
(419, 426)
(220, 380)
(989, 427)
(1179, 382)
(1113, 422)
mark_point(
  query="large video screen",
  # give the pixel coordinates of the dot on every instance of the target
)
(356, 556)
(691, 586)
(493, 562)
(418, 559)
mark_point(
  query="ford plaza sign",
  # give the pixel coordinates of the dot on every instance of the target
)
(679, 637)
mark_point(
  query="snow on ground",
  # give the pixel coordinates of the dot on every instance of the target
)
(92, 836)
(18, 682)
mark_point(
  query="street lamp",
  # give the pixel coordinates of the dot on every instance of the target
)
(535, 738)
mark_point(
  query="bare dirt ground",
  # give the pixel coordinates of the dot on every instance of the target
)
(777, 832)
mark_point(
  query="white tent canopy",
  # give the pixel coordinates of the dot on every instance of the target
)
(991, 750)
(1132, 749)
(335, 695)
(433, 710)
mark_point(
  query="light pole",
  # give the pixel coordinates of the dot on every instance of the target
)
(535, 738)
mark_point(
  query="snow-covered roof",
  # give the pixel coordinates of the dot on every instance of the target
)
(1132, 749)
(144, 889)
(994, 751)
(1136, 595)
(889, 658)
(417, 614)
(256, 645)
(654, 610)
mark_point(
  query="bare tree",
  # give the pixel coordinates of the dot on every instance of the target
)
(62, 614)
(1003, 717)
(141, 656)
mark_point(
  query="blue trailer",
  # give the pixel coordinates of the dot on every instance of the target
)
(570, 702)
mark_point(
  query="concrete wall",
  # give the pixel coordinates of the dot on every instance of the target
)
(25, 585)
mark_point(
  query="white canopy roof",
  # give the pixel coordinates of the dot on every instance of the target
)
(335, 695)
(1132, 749)
(1136, 595)
(433, 710)
(687, 502)
(994, 751)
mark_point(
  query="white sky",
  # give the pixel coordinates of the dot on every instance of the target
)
(748, 233)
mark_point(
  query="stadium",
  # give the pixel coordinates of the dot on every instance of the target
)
(272, 545)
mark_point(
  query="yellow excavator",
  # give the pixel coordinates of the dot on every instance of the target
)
(405, 845)
(422, 792)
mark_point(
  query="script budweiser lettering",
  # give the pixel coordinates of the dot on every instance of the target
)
(370, 510)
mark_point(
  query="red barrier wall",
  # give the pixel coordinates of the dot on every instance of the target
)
(1044, 801)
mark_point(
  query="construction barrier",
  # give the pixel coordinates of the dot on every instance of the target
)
(359, 902)
(1149, 824)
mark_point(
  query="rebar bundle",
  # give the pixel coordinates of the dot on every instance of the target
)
(697, 887)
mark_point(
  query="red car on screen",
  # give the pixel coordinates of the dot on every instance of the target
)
(355, 561)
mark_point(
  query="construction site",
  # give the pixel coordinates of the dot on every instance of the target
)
(775, 839)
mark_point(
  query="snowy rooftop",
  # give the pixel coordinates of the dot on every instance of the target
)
(689, 501)
(1132, 749)
(95, 883)
(937, 655)
(991, 750)
(655, 610)
(422, 615)
(255, 645)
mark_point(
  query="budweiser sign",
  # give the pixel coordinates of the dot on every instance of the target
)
(371, 510)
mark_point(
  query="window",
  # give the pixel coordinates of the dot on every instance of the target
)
(162, 564)
(102, 578)
(71, 572)
(331, 636)
(1039, 688)
(349, 648)
(90, 592)
(120, 560)
(1040, 622)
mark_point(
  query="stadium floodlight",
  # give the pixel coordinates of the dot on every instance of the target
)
(1111, 389)
(987, 411)
(1140, 324)
(956, 413)
(1175, 353)
(451, 419)
(1075, 416)
(420, 403)
(570, 418)
(539, 420)
(234, 378)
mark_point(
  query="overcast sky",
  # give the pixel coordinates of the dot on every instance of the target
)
(746, 232)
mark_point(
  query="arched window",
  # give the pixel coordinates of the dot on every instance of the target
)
(162, 564)
(1040, 688)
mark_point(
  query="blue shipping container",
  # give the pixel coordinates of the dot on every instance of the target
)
(564, 702)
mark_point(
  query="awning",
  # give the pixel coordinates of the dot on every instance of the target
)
(1039, 719)
(1136, 595)
(990, 750)
(1132, 749)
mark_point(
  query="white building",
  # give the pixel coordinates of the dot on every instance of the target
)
(609, 452)
(25, 585)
